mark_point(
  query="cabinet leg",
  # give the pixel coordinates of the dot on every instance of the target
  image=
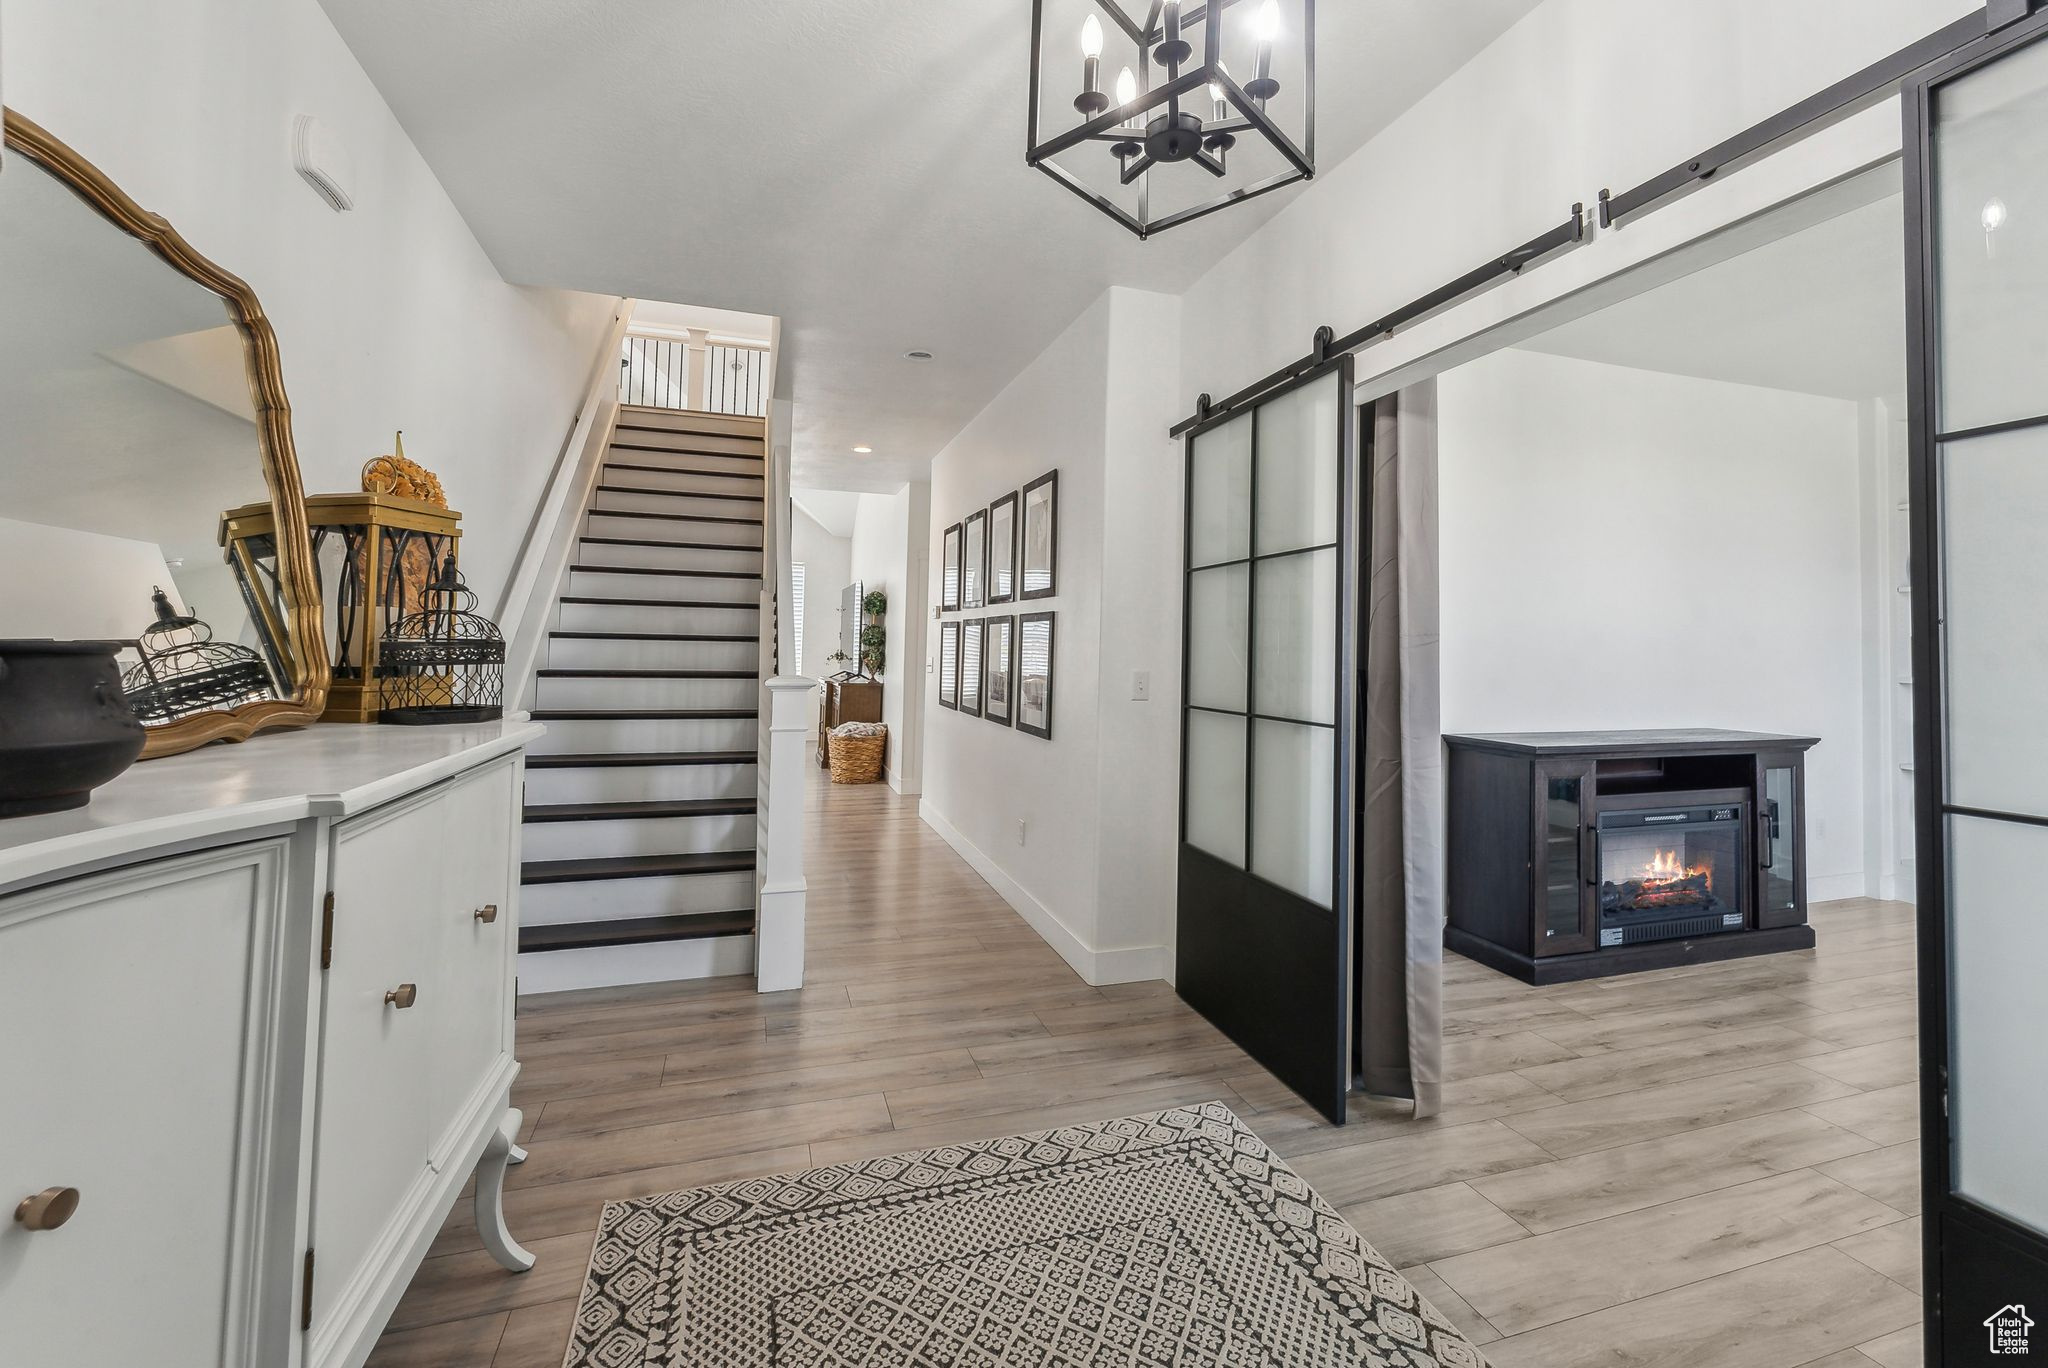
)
(490, 1195)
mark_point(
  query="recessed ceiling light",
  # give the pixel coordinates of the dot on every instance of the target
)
(862, 451)
(919, 355)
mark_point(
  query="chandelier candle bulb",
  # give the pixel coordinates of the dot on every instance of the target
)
(1268, 29)
(1091, 101)
(1172, 52)
(1126, 91)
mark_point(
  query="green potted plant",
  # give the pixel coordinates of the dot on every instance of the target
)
(873, 639)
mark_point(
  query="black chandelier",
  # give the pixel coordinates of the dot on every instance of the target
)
(1162, 114)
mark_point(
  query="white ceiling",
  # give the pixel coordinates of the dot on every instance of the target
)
(1822, 311)
(853, 166)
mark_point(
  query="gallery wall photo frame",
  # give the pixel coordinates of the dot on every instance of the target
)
(974, 561)
(1038, 559)
(949, 665)
(949, 559)
(970, 668)
(999, 670)
(1035, 674)
(1002, 549)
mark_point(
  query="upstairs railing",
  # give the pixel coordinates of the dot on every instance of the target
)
(693, 372)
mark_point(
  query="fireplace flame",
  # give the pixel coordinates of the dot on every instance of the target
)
(1667, 868)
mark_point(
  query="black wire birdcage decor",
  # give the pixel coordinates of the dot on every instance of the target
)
(443, 662)
(184, 671)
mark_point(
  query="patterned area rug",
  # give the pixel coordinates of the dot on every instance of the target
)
(1170, 1240)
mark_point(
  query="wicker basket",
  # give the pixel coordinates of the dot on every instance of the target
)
(856, 759)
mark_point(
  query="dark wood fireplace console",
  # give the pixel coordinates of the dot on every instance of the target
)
(1575, 855)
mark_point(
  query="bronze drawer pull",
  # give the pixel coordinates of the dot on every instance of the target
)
(403, 996)
(487, 914)
(48, 1209)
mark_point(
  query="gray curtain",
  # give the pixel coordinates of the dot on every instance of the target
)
(1400, 992)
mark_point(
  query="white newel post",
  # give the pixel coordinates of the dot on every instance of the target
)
(779, 921)
(697, 378)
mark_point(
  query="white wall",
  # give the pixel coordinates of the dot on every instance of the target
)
(980, 780)
(891, 533)
(1623, 548)
(1094, 870)
(1579, 95)
(387, 317)
(827, 571)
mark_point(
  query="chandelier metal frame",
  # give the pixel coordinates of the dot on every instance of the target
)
(1157, 129)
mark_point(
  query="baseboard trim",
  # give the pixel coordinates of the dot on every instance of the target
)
(1835, 887)
(1128, 964)
(610, 966)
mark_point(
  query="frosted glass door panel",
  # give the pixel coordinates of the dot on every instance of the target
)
(1217, 637)
(1998, 915)
(1294, 782)
(1220, 494)
(1991, 193)
(1299, 450)
(1216, 785)
(1295, 667)
(1994, 510)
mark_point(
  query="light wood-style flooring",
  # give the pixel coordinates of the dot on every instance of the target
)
(1715, 1165)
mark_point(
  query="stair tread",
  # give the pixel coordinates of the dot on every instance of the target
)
(659, 570)
(670, 517)
(643, 714)
(636, 931)
(661, 603)
(622, 672)
(623, 759)
(656, 636)
(626, 811)
(675, 494)
(635, 866)
(671, 545)
(756, 456)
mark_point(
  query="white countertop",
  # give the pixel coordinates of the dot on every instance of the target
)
(327, 770)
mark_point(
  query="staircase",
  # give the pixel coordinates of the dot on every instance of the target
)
(640, 821)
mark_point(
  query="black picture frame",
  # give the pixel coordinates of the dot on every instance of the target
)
(999, 670)
(970, 668)
(1038, 559)
(1002, 549)
(1033, 629)
(949, 572)
(949, 665)
(974, 560)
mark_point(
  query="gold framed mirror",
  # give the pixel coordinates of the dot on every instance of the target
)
(131, 402)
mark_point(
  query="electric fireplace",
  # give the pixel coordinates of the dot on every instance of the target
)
(1573, 855)
(1671, 865)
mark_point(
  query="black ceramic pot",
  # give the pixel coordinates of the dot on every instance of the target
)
(65, 725)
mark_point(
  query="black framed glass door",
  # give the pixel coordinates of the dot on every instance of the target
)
(1977, 263)
(1268, 728)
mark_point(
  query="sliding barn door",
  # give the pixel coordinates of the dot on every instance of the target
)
(1268, 730)
(1977, 252)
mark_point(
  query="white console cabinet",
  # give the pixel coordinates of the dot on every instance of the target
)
(255, 1035)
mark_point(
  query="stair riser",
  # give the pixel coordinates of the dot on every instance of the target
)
(681, 505)
(561, 971)
(637, 836)
(688, 694)
(748, 534)
(570, 653)
(658, 451)
(703, 589)
(639, 736)
(635, 473)
(637, 617)
(648, 429)
(640, 783)
(740, 560)
(619, 899)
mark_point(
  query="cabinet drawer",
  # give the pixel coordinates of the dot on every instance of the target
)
(136, 1006)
